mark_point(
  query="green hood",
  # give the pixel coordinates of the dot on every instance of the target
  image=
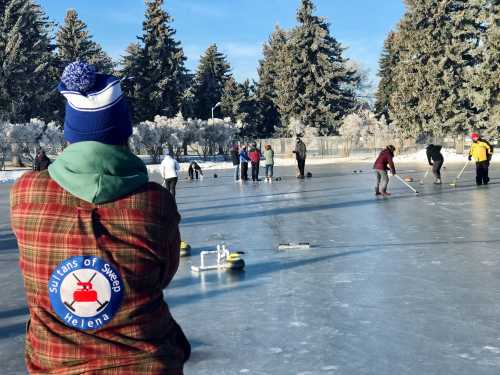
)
(98, 173)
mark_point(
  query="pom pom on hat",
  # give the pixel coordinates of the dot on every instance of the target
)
(79, 76)
(96, 108)
(474, 136)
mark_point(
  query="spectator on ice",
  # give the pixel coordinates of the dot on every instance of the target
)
(383, 164)
(482, 152)
(436, 160)
(244, 159)
(300, 154)
(169, 169)
(269, 156)
(194, 170)
(235, 157)
(42, 161)
(98, 244)
(255, 156)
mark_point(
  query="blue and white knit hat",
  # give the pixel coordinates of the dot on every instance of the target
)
(96, 108)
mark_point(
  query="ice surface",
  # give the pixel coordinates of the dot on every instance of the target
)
(407, 285)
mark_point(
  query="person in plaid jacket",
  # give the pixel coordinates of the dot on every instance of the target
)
(98, 244)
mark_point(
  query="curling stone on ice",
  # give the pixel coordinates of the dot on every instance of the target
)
(185, 249)
(227, 260)
(234, 261)
(408, 178)
(309, 174)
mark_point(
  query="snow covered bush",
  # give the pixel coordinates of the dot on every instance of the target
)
(155, 136)
(4, 142)
(363, 129)
(216, 135)
(25, 139)
(52, 140)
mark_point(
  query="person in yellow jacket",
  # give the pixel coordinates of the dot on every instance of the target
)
(481, 151)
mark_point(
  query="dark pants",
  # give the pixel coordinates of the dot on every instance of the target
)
(192, 172)
(244, 171)
(436, 168)
(482, 172)
(255, 171)
(170, 185)
(301, 163)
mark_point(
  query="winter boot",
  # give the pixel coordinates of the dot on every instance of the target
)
(438, 181)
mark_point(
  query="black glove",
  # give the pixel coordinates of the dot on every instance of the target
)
(431, 164)
(470, 158)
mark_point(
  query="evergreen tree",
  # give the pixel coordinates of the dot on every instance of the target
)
(493, 66)
(210, 79)
(268, 70)
(488, 76)
(157, 67)
(240, 103)
(439, 48)
(314, 84)
(27, 77)
(231, 99)
(75, 43)
(387, 63)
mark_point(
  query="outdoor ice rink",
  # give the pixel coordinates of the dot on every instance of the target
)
(407, 286)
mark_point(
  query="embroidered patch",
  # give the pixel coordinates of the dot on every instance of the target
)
(85, 292)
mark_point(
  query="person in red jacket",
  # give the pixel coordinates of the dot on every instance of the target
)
(255, 156)
(383, 164)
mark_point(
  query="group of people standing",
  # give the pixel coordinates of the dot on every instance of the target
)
(241, 157)
(481, 151)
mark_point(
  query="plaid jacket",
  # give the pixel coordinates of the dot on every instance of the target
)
(137, 234)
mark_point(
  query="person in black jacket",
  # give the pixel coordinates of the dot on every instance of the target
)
(436, 160)
(42, 161)
(300, 154)
(235, 157)
(194, 169)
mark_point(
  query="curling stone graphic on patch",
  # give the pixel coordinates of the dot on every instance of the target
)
(85, 292)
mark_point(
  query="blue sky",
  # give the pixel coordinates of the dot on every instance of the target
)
(239, 27)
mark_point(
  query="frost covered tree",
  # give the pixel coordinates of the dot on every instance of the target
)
(268, 71)
(314, 84)
(26, 138)
(155, 136)
(27, 68)
(4, 142)
(156, 66)
(216, 135)
(52, 139)
(210, 79)
(74, 42)
(362, 128)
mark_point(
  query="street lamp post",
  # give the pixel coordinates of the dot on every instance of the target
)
(215, 106)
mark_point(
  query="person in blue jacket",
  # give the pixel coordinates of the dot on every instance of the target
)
(244, 159)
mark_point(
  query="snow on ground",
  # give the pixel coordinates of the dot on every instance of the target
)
(7, 177)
